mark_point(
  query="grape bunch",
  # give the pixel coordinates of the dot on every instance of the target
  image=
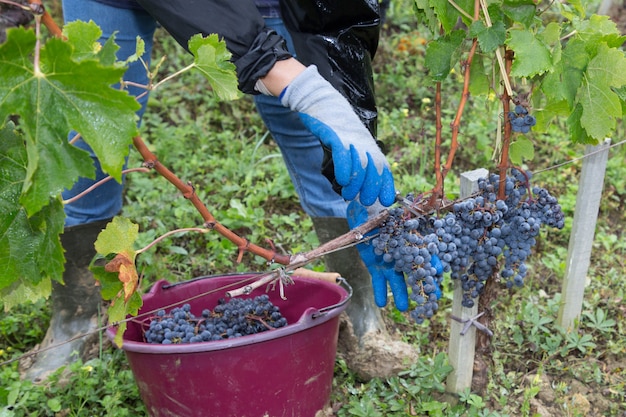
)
(497, 236)
(481, 237)
(520, 120)
(403, 243)
(235, 318)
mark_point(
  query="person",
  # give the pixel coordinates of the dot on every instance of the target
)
(313, 88)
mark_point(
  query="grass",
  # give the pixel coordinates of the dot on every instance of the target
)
(223, 148)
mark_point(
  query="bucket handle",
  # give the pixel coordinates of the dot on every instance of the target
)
(340, 281)
(322, 311)
(233, 274)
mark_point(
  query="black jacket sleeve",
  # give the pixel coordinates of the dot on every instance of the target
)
(254, 47)
(341, 38)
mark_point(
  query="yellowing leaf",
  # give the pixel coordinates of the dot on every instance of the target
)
(119, 310)
(22, 290)
(124, 265)
(118, 237)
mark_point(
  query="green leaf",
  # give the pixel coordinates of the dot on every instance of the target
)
(577, 133)
(522, 11)
(213, 60)
(479, 81)
(60, 96)
(489, 38)
(601, 106)
(426, 15)
(30, 249)
(549, 112)
(83, 37)
(551, 34)
(532, 57)
(140, 50)
(607, 67)
(448, 15)
(433, 406)
(520, 150)
(119, 310)
(597, 30)
(440, 54)
(574, 64)
(54, 404)
(578, 7)
(110, 285)
(600, 321)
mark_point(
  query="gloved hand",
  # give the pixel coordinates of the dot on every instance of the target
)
(361, 169)
(381, 272)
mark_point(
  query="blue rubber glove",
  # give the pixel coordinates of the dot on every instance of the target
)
(382, 273)
(361, 169)
(435, 262)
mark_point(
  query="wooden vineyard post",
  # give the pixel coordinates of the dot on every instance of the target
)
(461, 347)
(583, 230)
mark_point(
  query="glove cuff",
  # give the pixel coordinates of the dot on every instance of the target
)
(310, 88)
(261, 88)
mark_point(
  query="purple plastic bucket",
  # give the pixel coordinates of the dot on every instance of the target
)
(276, 373)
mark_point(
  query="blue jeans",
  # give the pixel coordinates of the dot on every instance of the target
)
(106, 200)
(301, 150)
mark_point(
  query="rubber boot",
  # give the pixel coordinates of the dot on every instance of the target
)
(364, 342)
(75, 306)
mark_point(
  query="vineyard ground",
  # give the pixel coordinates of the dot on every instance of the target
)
(223, 148)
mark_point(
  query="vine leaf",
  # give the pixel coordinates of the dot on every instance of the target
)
(30, 250)
(213, 60)
(479, 83)
(489, 38)
(520, 150)
(522, 11)
(426, 15)
(601, 106)
(118, 278)
(441, 53)
(118, 239)
(532, 57)
(447, 14)
(60, 95)
(125, 268)
(84, 39)
(598, 30)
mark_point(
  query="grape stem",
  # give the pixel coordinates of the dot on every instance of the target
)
(527, 182)
(171, 232)
(99, 183)
(38, 9)
(189, 192)
(354, 236)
